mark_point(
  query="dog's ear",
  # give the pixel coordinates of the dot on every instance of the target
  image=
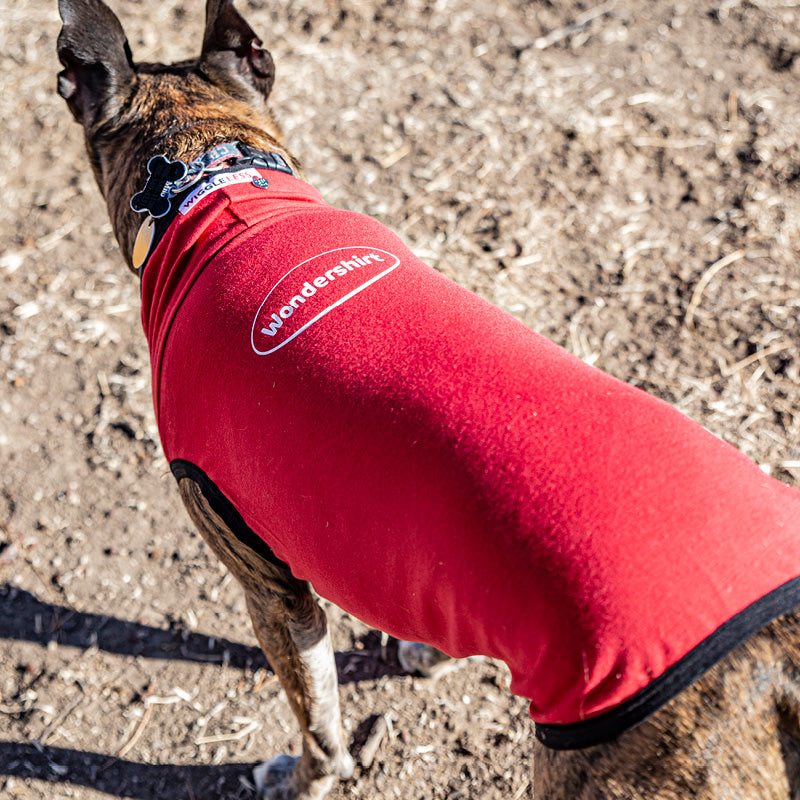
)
(233, 57)
(97, 58)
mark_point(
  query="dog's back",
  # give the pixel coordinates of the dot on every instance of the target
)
(377, 425)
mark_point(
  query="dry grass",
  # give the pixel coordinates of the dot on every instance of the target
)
(622, 176)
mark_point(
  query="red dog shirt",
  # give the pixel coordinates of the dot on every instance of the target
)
(443, 473)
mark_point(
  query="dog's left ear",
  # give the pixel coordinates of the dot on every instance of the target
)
(233, 57)
(96, 55)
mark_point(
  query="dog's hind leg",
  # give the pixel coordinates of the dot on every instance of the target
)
(292, 630)
(733, 735)
(786, 634)
(424, 659)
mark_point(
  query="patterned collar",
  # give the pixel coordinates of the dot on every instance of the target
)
(169, 182)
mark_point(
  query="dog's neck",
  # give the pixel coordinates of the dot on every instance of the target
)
(171, 185)
(124, 172)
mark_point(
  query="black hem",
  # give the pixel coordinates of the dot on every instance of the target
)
(725, 639)
(224, 509)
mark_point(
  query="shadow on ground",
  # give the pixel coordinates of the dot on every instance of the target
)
(121, 778)
(25, 617)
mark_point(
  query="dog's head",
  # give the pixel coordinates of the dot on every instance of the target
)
(130, 112)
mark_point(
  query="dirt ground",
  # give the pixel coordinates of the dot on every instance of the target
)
(622, 177)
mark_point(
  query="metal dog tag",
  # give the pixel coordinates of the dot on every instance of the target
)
(144, 239)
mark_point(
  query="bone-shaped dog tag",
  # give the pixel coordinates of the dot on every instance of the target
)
(154, 198)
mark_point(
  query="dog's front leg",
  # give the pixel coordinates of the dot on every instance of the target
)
(293, 632)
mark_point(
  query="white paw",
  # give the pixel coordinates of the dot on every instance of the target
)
(345, 766)
(277, 780)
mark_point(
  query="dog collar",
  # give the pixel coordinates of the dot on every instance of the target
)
(170, 182)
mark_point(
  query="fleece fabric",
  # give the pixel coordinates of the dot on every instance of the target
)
(445, 474)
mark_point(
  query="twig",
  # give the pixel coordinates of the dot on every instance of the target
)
(65, 712)
(265, 680)
(370, 748)
(745, 362)
(581, 22)
(46, 243)
(733, 110)
(522, 789)
(384, 644)
(705, 279)
(137, 733)
(229, 737)
(392, 158)
(41, 576)
(12, 260)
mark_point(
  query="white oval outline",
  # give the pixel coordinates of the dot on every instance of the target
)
(330, 307)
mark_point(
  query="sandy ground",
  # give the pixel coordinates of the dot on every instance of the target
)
(622, 177)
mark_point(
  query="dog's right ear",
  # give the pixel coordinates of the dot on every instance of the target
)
(98, 67)
(233, 57)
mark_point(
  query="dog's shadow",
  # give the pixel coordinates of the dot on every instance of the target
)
(25, 617)
(125, 778)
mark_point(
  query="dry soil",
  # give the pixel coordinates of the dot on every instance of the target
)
(621, 176)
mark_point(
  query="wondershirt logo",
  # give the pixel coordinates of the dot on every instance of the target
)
(312, 289)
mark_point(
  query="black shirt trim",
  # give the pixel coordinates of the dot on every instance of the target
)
(679, 676)
(224, 509)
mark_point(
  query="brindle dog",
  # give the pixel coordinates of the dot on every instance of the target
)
(734, 734)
